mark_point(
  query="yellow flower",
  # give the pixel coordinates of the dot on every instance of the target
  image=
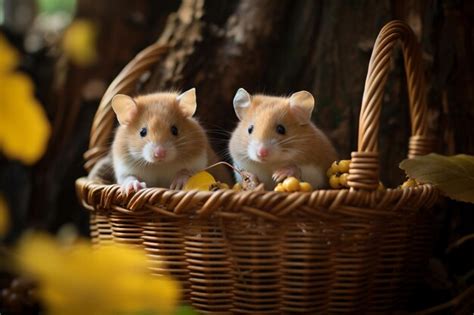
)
(24, 128)
(8, 55)
(79, 42)
(78, 279)
(4, 218)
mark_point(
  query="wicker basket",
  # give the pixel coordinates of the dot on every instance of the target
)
(351, 250)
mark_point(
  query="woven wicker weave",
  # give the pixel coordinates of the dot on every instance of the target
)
(350, 250)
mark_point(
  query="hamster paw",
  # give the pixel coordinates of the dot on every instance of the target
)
(280, 174)
(132, 185)
(180, 179)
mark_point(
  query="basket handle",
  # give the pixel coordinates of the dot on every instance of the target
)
(364, 167)
(125, 82)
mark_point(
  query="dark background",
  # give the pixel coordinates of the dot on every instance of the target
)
(275, 47)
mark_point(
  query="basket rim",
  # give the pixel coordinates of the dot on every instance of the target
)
(269, 205)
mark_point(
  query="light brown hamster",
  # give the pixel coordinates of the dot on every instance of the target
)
(158, 142)
(275, 139)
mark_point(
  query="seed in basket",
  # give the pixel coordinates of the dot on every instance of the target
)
(275, 139)
(338, 167)
(237, 187)
(334, 182)
(381, 187)
(305, 187)
(343, 179)
(334, 169)
(158, 142)
(218, 186)
(279, 187)
(291, 184)
(409, 183)
(223, 185)
(329, 172)
(344, 166)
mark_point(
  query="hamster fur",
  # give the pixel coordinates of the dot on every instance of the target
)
(275, 139)
(158, 142)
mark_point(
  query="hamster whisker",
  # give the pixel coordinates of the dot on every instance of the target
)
(138, 163)
(188, 138)
(224, 152)
(186, 141)
(131, 158)
(219, 141)
(225, 155)
(219, 132)
(293, 139)
(294, 142)
(212, 126)
(184, 144)
(135, 163)
(244, 158)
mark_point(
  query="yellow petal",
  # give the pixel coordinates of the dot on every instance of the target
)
(8, 55)
(201, 181)
(24, 127)
(109, 280)
(4, 217)
(143, 292)
(79, 42)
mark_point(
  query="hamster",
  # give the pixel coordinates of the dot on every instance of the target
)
(276, 139)
(158, 142)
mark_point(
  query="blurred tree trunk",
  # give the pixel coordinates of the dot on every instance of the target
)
(19, 14)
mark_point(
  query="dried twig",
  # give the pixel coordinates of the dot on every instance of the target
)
(459, 242)
(469, 293)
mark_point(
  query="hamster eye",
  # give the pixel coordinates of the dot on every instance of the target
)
(250, 129)
(174, 130)
(143, 132)
(281, 129)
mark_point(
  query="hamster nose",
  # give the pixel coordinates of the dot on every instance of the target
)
(159, 153)
(263, 152)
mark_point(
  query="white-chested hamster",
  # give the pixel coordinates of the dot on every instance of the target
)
(158, 142)
(275, 139)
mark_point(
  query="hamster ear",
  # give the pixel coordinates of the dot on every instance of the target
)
(242, 100)
(301, 106)
(187, 102)
(125, 108)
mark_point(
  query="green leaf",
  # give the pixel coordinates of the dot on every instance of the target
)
(185, 310)
(180, 310)
(453, 175)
